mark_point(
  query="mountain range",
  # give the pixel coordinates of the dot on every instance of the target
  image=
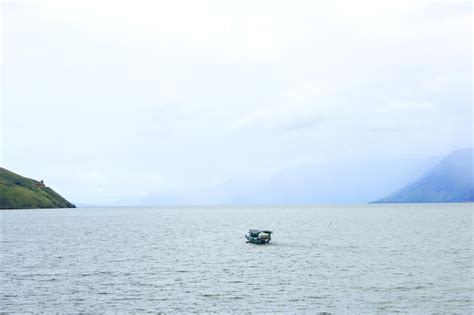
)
(437, 180)
(352, 181)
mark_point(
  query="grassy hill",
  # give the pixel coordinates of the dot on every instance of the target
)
(452, 180)
(17, 192)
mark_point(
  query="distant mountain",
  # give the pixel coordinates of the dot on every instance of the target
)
(347, 181)
(451, 180)
(17, 192)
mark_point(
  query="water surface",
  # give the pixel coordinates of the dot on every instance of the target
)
(367, 258)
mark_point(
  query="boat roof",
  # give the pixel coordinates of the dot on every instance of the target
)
(259, 231)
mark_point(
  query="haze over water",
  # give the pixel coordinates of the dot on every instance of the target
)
(365, 258)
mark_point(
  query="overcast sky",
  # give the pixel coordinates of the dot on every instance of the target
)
(113, 101)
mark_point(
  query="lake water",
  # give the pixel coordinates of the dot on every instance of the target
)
(367, 258)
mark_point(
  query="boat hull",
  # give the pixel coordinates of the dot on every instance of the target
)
(256, 240)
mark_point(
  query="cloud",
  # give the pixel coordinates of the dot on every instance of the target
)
(281, 118)
(294, 109)
(403, 116)
(437, 10)
(106, 186)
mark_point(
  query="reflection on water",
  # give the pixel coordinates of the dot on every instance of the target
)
(369, 258)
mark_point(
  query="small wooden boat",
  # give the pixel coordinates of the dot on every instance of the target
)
(259, 236)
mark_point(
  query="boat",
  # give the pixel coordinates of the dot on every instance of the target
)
(259, 236)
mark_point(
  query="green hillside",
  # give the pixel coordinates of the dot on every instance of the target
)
(17, 192)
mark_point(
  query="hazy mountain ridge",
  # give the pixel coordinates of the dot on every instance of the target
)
(451, 180)
(352, 181)
(18, 192)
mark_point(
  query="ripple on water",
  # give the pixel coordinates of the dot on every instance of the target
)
(415, 260)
